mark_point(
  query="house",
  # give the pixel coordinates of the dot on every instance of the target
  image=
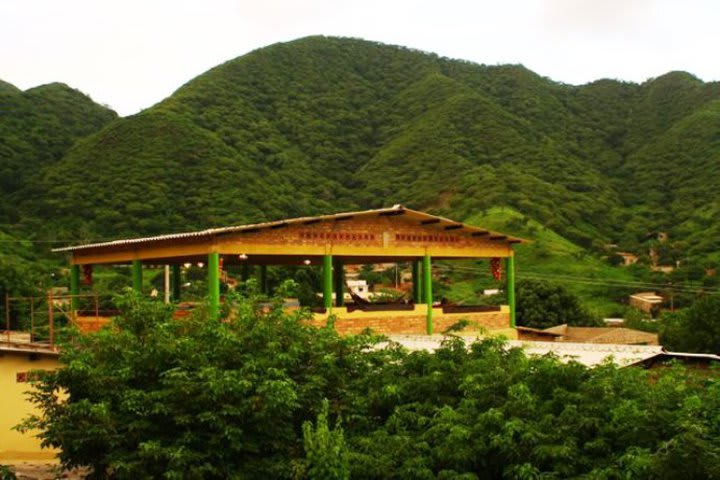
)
(628, 258)
(18, 361)
(648, 302)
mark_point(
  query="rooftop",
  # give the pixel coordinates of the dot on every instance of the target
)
(424, 219)
(589, 354)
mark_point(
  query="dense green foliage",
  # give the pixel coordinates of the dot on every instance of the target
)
(7, 473)
(37, 127)
(22, 273)
(325, 450)
(694, 329)
(327, 124)
(543, 304)
(323, 124)
(161, 398)
(195, 399)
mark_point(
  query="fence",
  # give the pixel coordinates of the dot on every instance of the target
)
(43, 320)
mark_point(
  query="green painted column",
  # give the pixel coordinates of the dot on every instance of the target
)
(510, 277)
(416, 283)
(74, 285)
(137, 280)
(213, 285)
(176, 282)
(327, 276)
(339, 274)
(264, 280)
(427, 291)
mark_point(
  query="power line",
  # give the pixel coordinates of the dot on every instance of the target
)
(593, 281)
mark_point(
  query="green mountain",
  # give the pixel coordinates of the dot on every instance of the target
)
(323, 124)
(37, 126)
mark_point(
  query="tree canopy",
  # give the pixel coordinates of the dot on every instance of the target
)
(694, 329)
(543, 304)
(326, 124)
(262, 395)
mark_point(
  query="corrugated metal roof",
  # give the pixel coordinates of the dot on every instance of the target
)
(394, 210)
(589, 354)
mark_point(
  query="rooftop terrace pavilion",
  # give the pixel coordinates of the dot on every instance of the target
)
(396, 234)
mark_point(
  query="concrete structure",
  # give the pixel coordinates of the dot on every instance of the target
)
(648, 302)
(395, 234)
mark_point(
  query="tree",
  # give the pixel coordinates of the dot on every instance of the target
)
(325, 449)
(195, 398)
(542, 304)
(153, 397)
(694, 329)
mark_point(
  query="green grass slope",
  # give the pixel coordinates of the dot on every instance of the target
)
(549, 256)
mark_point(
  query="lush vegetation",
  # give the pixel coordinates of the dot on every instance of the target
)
(261, 395)
(542, 305)
(37, 127)
(694, 329)
(327, 124)
(322, 124)
(22, 271)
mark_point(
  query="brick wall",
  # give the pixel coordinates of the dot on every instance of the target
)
(373, 232)
(91, 324)
(416, 324)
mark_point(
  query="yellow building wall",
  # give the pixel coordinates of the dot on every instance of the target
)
(14, 406)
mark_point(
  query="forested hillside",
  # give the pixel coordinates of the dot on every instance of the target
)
(325, 124)
(37, 127)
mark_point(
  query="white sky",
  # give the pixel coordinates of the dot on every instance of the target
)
(131, 54)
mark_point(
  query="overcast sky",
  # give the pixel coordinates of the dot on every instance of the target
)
(131, 54)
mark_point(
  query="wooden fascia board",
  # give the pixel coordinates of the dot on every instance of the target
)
(148, 252)
(283, 250)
